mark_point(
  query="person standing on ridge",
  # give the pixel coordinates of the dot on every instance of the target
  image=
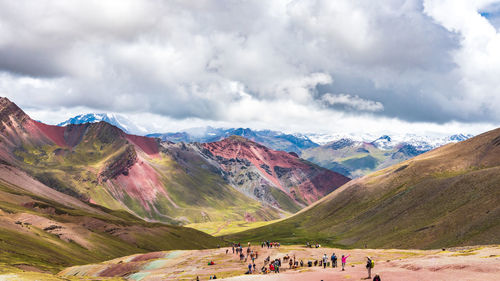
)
(344, 260)
(325, 260)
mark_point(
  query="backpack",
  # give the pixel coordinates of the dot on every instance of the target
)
(372, 264)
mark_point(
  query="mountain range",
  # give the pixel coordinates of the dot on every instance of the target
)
(350, 155)
(356, 158)
(89, 192)
(162, 181)
(272, 139)
(448, 196)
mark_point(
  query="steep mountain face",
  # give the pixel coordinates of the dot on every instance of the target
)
(159, 181)
(274, 177)
(445, 197)
(99, 163)
(272, 139)
(116, 120)
(354, 158)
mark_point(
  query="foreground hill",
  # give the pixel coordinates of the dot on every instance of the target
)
(44, 229)
(448, 196)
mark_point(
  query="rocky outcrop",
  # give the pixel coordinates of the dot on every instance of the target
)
(119, 165)
(274, 177)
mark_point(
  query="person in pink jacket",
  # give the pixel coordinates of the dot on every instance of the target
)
(344, 260)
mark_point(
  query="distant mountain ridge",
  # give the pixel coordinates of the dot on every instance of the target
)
(351, 155)
(272, 139)
(117, 120)
(356, 158)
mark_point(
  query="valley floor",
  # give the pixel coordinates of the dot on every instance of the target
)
(466, 263)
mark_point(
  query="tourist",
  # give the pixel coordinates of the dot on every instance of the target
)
(344, 260)
(369, 265)
(334, 260)
(325, 260)
(376, 278)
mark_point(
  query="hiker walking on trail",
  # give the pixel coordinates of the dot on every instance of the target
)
(369, 265)
(344, 260)
(325, 260)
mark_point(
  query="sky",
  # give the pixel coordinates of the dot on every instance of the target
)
(318, 66)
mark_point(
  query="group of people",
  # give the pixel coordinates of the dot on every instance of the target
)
(269, 244)
(309, 245)
(275, 265)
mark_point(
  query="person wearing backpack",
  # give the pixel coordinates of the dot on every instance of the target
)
(369, 265)
(334, 260)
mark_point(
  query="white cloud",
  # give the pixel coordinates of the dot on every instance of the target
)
(353, 102)
(268, 64)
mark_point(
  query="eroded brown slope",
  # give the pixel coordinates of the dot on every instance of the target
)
(276, 177)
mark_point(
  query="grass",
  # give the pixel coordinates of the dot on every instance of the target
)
(38, 248)
(399, 210)
(221, 228)
(200, 194)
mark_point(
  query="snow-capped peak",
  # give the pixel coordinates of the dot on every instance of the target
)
(117, 120)
(386, 142)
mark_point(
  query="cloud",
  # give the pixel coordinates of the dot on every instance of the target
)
(352, 102)
(228, 62)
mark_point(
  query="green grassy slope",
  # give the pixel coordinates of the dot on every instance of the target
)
(90, 169)
(442, 198)
(105, 233)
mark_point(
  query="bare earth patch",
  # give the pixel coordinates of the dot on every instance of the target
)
(471, 263)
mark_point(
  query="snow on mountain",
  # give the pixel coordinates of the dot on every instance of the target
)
(386, 142)
(117, 120)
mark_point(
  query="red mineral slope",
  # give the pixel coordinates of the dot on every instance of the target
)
(18, 128)
(149, 145)
(301, 180)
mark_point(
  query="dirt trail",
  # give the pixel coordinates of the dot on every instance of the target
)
(472, 263)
